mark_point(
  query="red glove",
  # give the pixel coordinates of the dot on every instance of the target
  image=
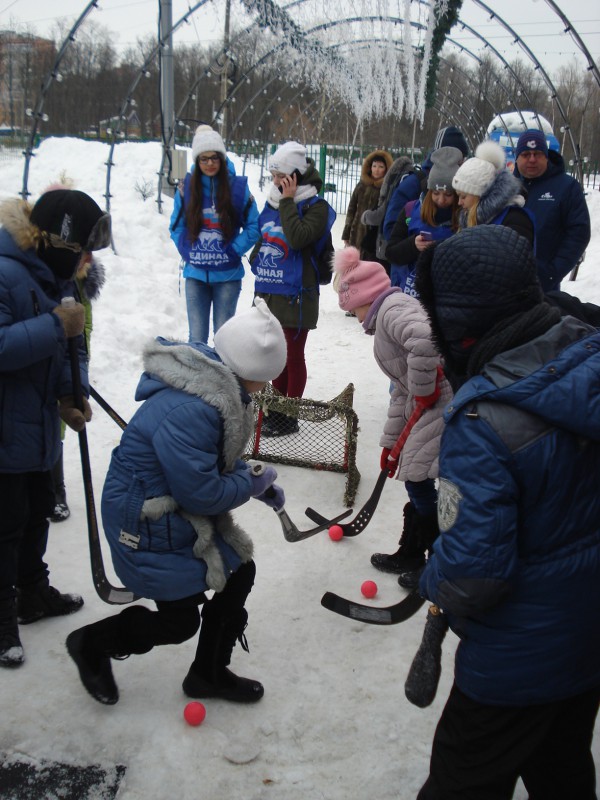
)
(429, 400)
(384, 462)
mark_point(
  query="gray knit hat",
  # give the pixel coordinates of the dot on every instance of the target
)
(446, 161)
(207, 141)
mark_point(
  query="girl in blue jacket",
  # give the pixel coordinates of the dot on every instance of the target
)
(170, 487)
(214, 222)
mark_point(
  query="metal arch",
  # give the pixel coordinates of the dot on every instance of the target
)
(577, 39)
(547, 81)
(37, 114)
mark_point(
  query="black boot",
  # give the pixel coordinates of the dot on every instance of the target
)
(61, 509)
(278, 424)
(11, 649)
(208, 676)
(425, 531)
(409, 556)
(86, 648)
(42, 600)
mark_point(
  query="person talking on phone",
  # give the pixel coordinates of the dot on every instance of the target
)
(293, 220)
(433, 217)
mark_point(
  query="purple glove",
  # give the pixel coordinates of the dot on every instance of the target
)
(274, 497)
(262, 477)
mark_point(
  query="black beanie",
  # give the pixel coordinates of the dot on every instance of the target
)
(71, 216)
(451, 137)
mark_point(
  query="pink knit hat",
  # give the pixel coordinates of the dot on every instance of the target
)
(357, 282)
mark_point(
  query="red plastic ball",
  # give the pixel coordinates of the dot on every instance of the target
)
(336, 532)
(194, 713)
(369, 589)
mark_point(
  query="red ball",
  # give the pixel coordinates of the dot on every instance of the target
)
(336, 532)
(369, 589)
(194, 713)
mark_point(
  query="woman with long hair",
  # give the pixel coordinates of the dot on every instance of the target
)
(214, 222)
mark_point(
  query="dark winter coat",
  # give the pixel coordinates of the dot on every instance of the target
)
(364, 197)
(517, 564)
(562, 220)
(34, 362)
(177, 473)
(301, 232)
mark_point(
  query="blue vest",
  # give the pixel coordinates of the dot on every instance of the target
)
(415, 226)
(209, 251)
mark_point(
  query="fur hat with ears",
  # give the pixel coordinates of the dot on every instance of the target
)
(207, 141)
(252, 344)
(477, 174)
(357, 282)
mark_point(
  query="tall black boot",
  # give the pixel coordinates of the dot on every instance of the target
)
(61, 509)
(425, 531)
(208, 676)
(11, 649)
(409, 555)
(91, 648)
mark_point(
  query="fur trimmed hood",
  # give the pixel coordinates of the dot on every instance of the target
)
(15, 217)
(365, 174)
(197, 370)
(506, 190)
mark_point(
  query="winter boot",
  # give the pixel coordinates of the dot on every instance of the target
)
(278, 424)
(425, 531)
(93, 663)
(410, 555)
(208, 676)
(42, 600)
(61, 509)
(11, 649)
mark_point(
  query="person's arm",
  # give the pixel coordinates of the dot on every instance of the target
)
(177, 222)
(407, 189)
(350, 214)
(249, 233)
(576, 232)
(401, 247)
(301, 232)
(475, 558)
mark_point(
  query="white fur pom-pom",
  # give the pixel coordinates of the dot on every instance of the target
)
(491, 152)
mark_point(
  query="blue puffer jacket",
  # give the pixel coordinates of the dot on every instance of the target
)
(177, 473)
(34, 362)
(562, 220)
(517, 564)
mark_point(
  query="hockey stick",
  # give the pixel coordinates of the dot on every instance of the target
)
(424, 673)
(109, 409)
(107, 592)
(362, 519)
(388, 615)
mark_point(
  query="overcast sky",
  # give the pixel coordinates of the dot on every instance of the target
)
(533, 20)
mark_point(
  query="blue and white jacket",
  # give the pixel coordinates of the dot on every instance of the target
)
(562, 220)
(176, 475)
(34, 361)
(517, 564)
(209, 258)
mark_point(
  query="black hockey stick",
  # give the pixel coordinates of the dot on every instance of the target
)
(388, 615)
(109, 409)
(424, 674)
(362, 519)
(107, 592)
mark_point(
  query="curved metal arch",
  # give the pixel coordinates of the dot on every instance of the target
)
(577, 39)
(37, 114)
(547, 81)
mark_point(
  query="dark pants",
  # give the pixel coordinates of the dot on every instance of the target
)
(480, 751)
(26, 501)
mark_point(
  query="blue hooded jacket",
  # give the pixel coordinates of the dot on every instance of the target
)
(34, 363)
(176, 474)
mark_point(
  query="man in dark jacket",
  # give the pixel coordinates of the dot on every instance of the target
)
(516, 567)
(40, 250)
(562, 220)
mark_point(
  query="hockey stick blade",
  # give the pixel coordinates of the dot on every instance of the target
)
(362, 519)
(388, 615)
(291, 532)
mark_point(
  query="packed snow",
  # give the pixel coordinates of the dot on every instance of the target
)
(334, 723)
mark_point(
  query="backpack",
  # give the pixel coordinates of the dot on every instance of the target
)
(323, 250)
(408, 168)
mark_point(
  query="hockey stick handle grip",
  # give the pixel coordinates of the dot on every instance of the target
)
(424, 674)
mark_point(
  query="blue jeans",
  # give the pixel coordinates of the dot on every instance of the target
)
(200, 295)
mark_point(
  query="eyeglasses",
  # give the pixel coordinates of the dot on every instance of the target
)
(209, 159)
(532, 154)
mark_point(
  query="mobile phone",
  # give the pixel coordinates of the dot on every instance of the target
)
(298, 175)
(427, 235)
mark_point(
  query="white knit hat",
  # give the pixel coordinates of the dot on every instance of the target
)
(207, 141)
(477, 174)
(252, 344)
(288, 157)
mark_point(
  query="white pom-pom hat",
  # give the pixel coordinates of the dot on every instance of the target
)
(477, 174)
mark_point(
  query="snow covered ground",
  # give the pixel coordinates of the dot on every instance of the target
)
(334, 723)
